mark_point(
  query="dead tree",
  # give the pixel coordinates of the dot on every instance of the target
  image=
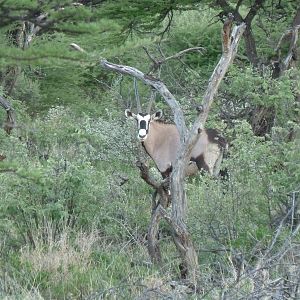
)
(177, 219)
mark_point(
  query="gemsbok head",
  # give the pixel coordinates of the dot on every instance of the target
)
(162, 142)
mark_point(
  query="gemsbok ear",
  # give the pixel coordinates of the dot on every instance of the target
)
(129, 114)
(157, 115)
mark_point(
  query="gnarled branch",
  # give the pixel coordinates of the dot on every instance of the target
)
(181, 236)
(230, 44)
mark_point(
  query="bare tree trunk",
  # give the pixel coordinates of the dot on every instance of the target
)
(182, 239)
(251, 47)
(181, 236)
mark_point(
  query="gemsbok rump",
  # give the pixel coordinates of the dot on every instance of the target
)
(162, 142)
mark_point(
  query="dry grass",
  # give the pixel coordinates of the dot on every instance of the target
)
(10, 289)
(56, 256)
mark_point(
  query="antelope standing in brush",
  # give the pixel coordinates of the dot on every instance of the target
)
(162, 142)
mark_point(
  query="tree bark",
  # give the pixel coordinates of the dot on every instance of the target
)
(156, 215)
(251, 47)
(182, 239)
(181, 235)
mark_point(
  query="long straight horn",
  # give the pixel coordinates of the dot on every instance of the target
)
(137, 97)
(151, 101)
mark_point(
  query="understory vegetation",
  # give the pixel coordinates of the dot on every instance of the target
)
(74, 211)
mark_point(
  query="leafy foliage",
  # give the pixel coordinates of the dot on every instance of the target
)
(74, 211)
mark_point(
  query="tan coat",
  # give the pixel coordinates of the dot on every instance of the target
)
(163, 143)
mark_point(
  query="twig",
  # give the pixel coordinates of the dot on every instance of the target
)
(77, 47)
(180, 53)
(156, 63)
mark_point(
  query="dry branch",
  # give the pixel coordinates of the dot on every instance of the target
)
(77, 47)
(230, 44)
(156, 63)
(176, 55)
(147, 177)
(181, 236)
(180, 53)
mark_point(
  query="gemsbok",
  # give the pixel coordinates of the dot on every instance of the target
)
(162, 141)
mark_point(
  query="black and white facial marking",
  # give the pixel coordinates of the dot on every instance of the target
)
(143, 122)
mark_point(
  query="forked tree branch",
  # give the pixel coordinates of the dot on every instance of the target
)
(181, 236)
(230, 45)
(182, 239)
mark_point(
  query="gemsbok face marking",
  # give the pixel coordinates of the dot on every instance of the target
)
(162, 142)
(143, 122)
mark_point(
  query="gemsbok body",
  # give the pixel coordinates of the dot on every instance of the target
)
(162, 142)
